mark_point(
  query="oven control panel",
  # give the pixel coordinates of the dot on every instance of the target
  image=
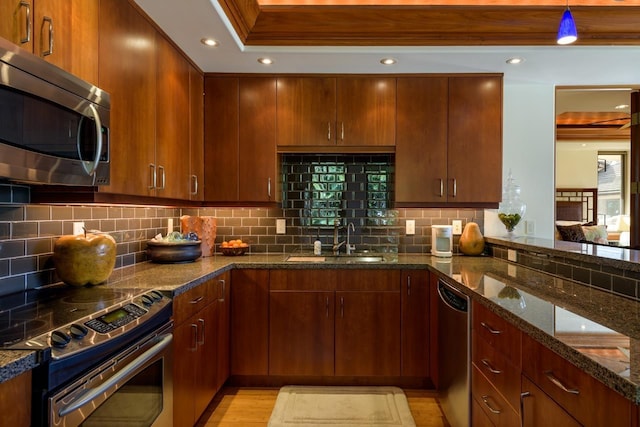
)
(116, 319)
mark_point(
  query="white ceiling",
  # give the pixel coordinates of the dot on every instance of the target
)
(188, 21)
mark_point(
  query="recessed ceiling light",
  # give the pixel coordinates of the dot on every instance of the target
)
(209, 42)
(515, 60)
(265, 61)
(621, 106)
(388, 61)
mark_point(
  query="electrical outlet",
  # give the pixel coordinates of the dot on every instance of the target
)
(530, 227)
(512, 255)
(281, 226)
(411, 227)
(77, 228)
(456, 226)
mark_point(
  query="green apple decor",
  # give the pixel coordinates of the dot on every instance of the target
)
(84, 259)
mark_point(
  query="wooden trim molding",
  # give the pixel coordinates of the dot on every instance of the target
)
(260, 23)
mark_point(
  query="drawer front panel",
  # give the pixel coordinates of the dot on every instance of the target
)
(189, 303)
(492, 403)
(497, 332)
(498, 370)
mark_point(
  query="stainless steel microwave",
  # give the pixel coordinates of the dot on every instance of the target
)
(54, 127)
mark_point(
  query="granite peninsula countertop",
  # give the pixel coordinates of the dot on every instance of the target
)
(563, 315)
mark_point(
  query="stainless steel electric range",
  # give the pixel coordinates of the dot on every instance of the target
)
(104, 353)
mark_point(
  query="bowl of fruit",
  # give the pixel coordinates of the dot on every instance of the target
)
(234, 247)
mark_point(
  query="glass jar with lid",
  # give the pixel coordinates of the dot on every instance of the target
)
(512, 208)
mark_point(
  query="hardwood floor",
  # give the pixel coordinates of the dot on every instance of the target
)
(251, 407)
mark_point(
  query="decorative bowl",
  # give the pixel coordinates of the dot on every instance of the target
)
(237, 251)
(174, 252)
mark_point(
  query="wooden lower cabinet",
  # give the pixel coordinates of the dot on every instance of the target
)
(249, 322)
(223, 296)
(538, 409)
(15, 401)
(415, 333)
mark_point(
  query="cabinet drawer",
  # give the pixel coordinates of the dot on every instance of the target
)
(492, 403)
(369, 280)
(497, 369)
(302, 280)
(584, 397)
(538, 409)
(497, 332)
(189, 303)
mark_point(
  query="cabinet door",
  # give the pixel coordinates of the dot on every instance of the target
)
(223, 283)
(172, 128)
(249, 322)
(306, 111)
(367, 341)
(84, 39)
(221, 139)
(366, 111)
(52, 31)
(257, 140)
(185, 347)
(475, 139)
(16, 22)
(128, 74)
(306, 320)
(415, 334)
(538, 409)
(15, 401)
(421, 140)
(196, 132)
(206, 363)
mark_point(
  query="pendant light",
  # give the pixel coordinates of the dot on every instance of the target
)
(567, 32)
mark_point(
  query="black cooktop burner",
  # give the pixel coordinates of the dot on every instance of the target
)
(24, 316)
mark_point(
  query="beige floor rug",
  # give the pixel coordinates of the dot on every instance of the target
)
(310, 406)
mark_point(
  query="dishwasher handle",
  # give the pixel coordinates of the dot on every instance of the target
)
(452, 298)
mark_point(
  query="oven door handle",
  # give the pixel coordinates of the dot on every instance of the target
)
(90, 395)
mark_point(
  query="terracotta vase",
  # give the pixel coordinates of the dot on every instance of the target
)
(471, 240)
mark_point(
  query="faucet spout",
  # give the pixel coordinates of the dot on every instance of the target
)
(350, 247)
(336, 242)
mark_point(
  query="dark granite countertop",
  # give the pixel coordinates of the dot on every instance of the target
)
(562, 314)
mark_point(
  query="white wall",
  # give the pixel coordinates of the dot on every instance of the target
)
(529, 151)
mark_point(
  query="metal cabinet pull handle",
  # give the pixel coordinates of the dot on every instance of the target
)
(490, 329)
(328, 131)
(153, 176)
(194, 184)
(50, 50)
(522, 396)
(342, 132)
(224, 289)
(164, 177)
(341, 306)
(201, 340)
(455, 187)
(194, 337)
(441, 187)
(408, 285)
(269, 187)
(27, 7)
(491, 369)
(559, 384)
(326, 304)
(485, 400)
(196, 300)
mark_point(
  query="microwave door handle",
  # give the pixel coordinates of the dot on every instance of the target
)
(96, 161)
(132, 367)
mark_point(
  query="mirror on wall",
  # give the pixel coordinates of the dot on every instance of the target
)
(593, 152)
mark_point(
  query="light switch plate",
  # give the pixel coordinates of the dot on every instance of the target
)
(512, 255)
(77, 228)
(281, 226)
(410, 227)
(456, 226)
(530, 227)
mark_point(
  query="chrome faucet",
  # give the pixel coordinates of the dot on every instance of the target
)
(336, 242)
(350, 247)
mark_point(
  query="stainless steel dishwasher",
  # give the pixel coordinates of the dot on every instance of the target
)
(454, 354)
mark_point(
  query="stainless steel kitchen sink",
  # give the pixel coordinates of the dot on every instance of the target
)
(341, 259)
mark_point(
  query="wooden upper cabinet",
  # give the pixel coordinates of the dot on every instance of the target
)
(306, 111)
(474, 159)
(196, 132)
(172, 160)
(336, 111)
(366, 111)
(16, 22)
(63, 32)
(449, 140)
(128, 74)
(421, 139)
(221, 124)
(257, 160)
